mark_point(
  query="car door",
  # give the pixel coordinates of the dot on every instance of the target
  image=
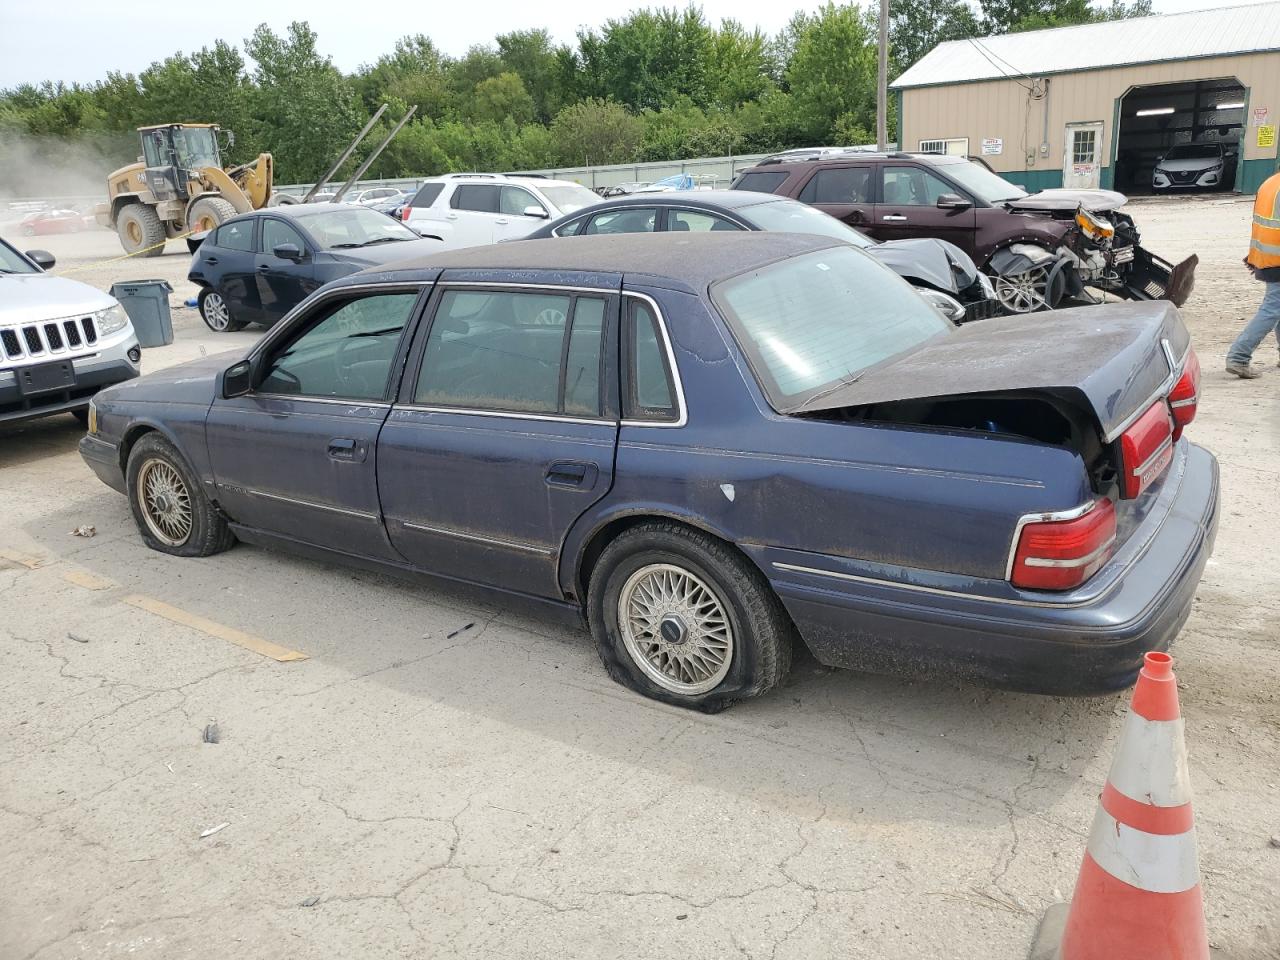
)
(908, 207)
(283, 282)
(512, 223)
(846, 191)
(473, 214)
(504, 432)
(227, 260)
(295, 456)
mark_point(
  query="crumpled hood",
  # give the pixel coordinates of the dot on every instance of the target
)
(927, 260)
(192, 382)
(32, 297)
(1062, 198)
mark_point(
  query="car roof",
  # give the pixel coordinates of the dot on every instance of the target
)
(794, 160)
(690, 260)
(297, 211)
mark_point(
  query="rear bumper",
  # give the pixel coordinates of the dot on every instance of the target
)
(111, 364)
(1072, 644)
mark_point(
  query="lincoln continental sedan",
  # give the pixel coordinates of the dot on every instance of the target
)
(714, 447)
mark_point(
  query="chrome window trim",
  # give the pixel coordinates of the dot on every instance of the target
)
(362, 514)
(936, 591)
(477, 538)
(682, 417)
(502, 285)
(307, 398)
(1160, 391)
(476, 412)
(1050, 517)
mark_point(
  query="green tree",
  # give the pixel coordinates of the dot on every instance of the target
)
(648, 59)
(832, 72)
(917, 26)
(413, 59)
(596, 131)
(741, 67)
(531, 55)
(501, 97)
(1013, 16)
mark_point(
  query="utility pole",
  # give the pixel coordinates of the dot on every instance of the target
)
(882, 81)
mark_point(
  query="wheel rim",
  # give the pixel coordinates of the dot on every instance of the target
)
(216, 313)
(675, 628)
(133, 230)
(205, 222)
(1024, 292)
(165, 502)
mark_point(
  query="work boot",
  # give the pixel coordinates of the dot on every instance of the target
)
(1242, 370)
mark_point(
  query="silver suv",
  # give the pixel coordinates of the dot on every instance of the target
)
(61, 341)
(469, 209)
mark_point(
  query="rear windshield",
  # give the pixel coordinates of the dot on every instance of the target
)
(812, 323)
(788, 216)
(761, 181)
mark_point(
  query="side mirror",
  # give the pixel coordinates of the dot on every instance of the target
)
(287, 251)
(42, 259)
(953, 201)
(237, 380)
(536, 211)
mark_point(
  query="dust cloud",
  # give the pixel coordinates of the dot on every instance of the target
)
(48, 168)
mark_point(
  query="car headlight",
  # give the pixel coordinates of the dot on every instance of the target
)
(1094, 227)
(110, 320)
(949, 307)
(1216, 168)
(988, 288)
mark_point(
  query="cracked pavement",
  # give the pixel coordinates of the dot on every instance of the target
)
(407, 793)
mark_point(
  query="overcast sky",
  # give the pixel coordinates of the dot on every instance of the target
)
(80, 40)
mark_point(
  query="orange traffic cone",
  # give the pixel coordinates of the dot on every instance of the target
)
(1138, 895)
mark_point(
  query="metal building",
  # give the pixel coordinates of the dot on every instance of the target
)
(1099, 104)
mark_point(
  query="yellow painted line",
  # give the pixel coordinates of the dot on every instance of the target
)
(83, 578)
(214, 629)
(24, 559)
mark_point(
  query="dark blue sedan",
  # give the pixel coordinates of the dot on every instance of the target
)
(256, 267)
(714, 446)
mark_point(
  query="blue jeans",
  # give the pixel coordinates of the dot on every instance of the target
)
(1266, 320)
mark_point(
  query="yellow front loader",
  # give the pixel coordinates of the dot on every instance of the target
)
(179, 186)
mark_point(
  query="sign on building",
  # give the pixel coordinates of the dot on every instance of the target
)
(1260, 116)
(1267, 135)
(992, 146)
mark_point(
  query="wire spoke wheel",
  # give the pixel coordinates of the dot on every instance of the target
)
(216, 313)
(675, 628)
(165, 502)
(1024, 292)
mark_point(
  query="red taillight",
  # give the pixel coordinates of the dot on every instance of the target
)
(1185, 395)
(1145, 450)
(404, 213)
(1061, 554)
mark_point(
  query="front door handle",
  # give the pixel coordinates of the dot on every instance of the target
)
(264, 267)
(210, 259)
(894, 218)
(502, 220)
(572, 473)
(344, 448)
(451, 216)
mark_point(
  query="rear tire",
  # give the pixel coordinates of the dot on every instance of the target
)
(208, 212)
(682, 617)
(170, 508)
(216, 313)
(141, 230)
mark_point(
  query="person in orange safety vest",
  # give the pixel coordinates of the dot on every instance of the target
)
(1263, 262)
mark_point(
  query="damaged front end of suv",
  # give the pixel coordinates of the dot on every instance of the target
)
(1094, 246)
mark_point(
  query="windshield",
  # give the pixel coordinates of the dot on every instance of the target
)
(788, 216)
(981, 182)
(814, 322)
(1194, 151)
(195, 148)
(12, 262)
(346, 227)
(568, 197)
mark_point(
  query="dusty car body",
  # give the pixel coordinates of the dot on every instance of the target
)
(700, 444)
(1040, 249)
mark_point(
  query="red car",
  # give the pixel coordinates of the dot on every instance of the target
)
(45, 222)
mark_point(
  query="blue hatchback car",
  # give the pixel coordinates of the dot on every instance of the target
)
(714, 446)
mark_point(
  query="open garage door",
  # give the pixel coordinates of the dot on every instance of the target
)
(1195, 124)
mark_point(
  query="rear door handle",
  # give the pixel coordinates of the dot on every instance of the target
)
(264, 267)
(893, 218)
(210, 259)
(451, 216)
(572, 473)
(344, 448)
(502, 220)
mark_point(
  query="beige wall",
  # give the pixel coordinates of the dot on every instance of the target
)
(999, 108)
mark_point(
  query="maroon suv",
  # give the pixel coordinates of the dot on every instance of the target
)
(1038, 248)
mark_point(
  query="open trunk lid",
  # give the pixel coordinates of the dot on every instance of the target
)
(1113, 359)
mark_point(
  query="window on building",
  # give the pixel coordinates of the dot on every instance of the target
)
(957, 147)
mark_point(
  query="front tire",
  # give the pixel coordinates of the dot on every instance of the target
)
(216, 313)
(208, 212)
(171, 511)
(682, 617)
(141, 230)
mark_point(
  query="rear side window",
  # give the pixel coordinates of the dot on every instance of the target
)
(475, 196)
(838, 185)
(427, 195)
(650, 392)
(762, 181)
(522, 352)
(626, 220)
(237, 235)
(685, 221)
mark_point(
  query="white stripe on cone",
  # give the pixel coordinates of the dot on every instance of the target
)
(1149, 861)
(1151, 762)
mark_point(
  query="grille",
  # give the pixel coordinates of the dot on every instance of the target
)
(1183, 176)
(41, 339)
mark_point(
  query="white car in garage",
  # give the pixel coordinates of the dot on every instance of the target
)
(470, 209)
(1204, 166)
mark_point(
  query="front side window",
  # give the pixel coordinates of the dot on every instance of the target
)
(515, 200)
(626, 220)
(650, 392)
(838, 185)
(346, 352)
(809, 323)
(236, 235)
(913, 187)
(514, 351)
(481, 197)
(277, 232)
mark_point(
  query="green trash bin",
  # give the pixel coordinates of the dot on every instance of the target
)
(147, 304)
